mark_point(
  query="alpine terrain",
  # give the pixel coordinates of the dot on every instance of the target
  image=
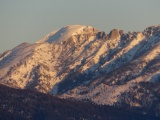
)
(83, 63)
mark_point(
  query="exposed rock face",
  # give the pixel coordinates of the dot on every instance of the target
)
(114, 34)
(121, 32)
(100, 35)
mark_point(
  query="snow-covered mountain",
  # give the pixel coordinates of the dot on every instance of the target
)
(82, 62)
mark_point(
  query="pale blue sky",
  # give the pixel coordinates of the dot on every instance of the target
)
(30, 20)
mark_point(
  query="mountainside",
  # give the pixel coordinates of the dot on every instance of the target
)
(82, 62)
(18, 104)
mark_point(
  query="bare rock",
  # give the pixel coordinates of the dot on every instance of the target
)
(114, 34)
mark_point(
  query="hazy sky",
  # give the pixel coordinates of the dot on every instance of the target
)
(30, 20)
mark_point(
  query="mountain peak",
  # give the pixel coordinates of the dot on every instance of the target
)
(81, 62)
(65, 32)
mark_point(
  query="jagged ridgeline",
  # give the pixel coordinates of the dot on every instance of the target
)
(83, 62)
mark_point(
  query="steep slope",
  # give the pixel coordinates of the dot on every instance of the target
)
(83, 63)
(16, 104)
(123, 70)
(39, 65)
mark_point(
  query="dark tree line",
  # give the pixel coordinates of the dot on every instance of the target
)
(26, 104)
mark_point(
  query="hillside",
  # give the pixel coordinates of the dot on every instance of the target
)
(19, 104)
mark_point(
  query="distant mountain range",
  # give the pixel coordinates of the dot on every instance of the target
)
(84, 63)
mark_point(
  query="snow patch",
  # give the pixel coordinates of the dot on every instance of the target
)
(66, 32)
